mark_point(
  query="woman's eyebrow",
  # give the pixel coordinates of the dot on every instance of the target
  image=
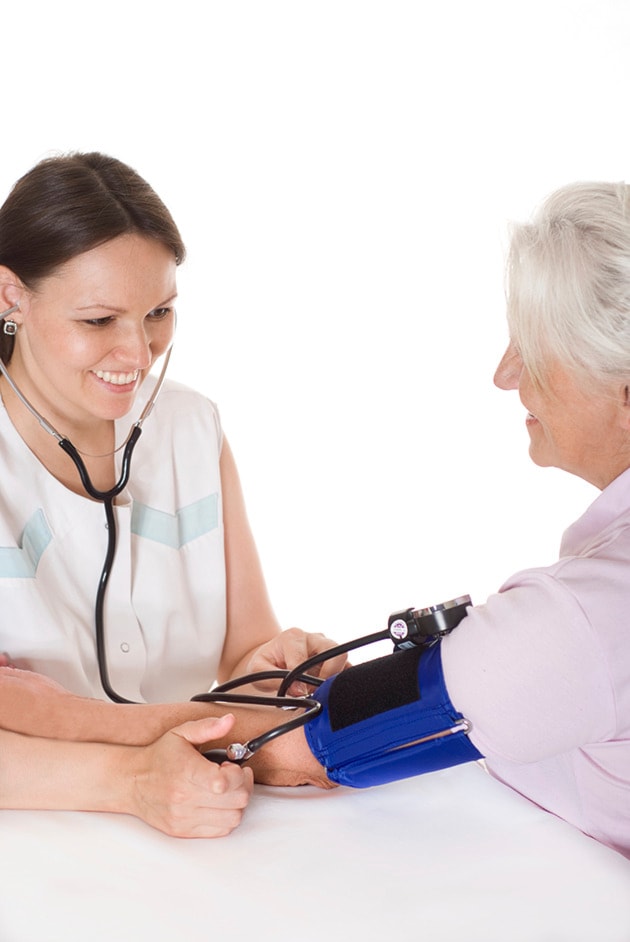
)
(97, 306)
(101, 307)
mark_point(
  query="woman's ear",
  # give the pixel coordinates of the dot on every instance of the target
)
(13, 293)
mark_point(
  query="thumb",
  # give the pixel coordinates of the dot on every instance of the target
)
(198, 732)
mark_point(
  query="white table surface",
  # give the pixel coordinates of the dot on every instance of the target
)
(449, 856)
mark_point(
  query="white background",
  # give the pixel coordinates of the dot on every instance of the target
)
(343, 174)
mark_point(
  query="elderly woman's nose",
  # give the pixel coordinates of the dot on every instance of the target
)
(508, 372)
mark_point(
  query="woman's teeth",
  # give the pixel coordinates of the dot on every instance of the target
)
(117, 379)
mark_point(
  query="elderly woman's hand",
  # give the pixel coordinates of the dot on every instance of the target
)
(290, 648)
(30, 684)
(39, 706)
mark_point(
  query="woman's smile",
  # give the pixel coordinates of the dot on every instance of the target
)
(577, 430)
(117, 379)
(89, 335)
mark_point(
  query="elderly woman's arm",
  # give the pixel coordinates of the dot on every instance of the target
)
(36, 706)
(168, 784)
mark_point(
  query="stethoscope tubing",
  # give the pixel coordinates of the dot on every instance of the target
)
(106, 497)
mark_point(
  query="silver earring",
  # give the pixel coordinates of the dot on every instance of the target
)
(9, 327)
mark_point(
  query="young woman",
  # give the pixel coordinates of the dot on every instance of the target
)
(88, 262)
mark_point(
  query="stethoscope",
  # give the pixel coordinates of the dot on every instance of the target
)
(107, 498)
(309, 706)
(405, 629)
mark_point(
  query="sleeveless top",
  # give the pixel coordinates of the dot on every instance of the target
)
(165, 605)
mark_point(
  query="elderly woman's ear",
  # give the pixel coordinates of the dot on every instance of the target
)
(625, 407)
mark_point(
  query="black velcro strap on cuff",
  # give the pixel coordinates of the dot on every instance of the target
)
(377, 686)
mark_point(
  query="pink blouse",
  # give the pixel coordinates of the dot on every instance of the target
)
(542, 671)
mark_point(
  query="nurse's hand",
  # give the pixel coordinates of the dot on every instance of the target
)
(172, 787)
(290, 648)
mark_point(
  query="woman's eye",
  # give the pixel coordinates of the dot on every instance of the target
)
(100, 321)
(160, 313)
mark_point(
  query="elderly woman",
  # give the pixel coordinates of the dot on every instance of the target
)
(537, 680)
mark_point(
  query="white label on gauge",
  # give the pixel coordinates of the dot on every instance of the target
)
(398, 629)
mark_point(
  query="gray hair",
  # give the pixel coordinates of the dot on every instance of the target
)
(569, 283)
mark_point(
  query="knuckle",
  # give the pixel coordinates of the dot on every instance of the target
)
(233, 819)
(174, 824)
(220, 786)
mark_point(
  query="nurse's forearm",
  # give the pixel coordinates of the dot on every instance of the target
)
(45, 774)
(167, 784)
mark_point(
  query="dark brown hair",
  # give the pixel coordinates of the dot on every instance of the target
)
(68, 205)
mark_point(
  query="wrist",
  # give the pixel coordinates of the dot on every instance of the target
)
(288, 761)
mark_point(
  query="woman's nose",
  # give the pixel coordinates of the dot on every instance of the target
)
(508, 372)
(134, 348)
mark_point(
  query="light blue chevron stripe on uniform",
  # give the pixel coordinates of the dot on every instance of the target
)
(176, 529)
(21, 562)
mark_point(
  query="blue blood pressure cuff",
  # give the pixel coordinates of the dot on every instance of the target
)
(388, 719)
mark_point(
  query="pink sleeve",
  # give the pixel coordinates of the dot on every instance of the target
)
(528, 672)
